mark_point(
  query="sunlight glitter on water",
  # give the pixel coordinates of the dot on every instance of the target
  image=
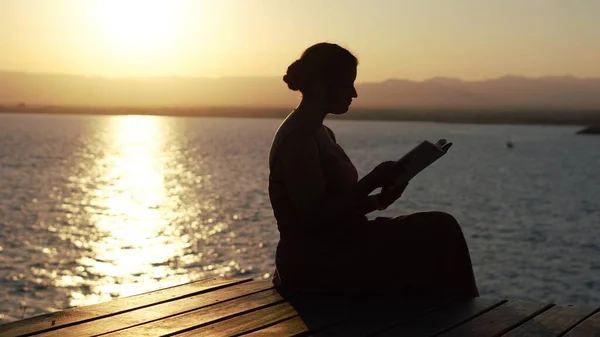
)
(135, 238)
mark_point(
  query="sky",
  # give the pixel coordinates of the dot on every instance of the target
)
(409, 39)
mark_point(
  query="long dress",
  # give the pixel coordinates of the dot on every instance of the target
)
(419, 252)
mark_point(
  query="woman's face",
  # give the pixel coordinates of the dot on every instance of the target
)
(341, 95)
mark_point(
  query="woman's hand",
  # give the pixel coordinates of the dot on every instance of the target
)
(384, 174)
(390, 194)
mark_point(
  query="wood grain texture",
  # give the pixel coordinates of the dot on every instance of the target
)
(380, 315)
(499, 320)
(83, 314)
(444, 318)
(318, 312)
(552, 322)
(590, 327)
(203, 316)
(289, 327)
(159, 312)
(248, 322)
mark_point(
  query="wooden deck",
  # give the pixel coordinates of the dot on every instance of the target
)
(235, 307)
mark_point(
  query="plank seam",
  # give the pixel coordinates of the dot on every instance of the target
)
(496, 305)
(334, 323)
(179, 285)
(349, 317)
(218, 320)
(66, 325)
(524, 320)
(263, 326)
(428, 311)
(185, 312)
(569, 329)
(356, 315)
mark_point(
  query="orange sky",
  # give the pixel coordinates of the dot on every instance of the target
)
(413, 39)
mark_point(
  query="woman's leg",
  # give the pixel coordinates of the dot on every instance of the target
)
(428, 252)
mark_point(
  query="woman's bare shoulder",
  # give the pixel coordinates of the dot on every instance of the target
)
(292, 139)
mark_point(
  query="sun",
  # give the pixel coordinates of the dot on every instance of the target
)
(135, 27)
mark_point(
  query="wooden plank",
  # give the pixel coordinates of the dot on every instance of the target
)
(289, 327)
(499, 320)
(83, 314)
(248, 322)
(317, 312)
(160, 311)
(590, 327)
(552, 322)
(382, 314)
(203, 316)
(444, 318)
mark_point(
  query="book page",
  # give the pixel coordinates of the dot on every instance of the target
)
(417, 160)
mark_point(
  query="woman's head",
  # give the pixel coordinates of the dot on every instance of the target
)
(325, 72)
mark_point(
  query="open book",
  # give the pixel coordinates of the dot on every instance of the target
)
(421, 156)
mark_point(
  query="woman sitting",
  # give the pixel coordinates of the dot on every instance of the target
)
(326, 241)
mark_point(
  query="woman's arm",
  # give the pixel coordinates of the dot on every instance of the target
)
(299, 157)
(367, 204)
(381, 201)
(370, 204)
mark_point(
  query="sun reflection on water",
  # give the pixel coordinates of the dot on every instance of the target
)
(135, 241)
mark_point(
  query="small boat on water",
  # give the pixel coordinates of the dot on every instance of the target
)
(590, 130)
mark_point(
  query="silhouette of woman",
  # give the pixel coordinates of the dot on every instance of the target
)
(327, 244)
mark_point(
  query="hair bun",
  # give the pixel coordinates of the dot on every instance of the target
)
(325, 62)
(294, 76)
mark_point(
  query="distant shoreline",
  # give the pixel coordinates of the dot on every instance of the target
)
(442, 115)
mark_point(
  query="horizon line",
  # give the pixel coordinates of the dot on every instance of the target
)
(430, 79)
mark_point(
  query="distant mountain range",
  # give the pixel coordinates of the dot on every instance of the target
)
(506, 92)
